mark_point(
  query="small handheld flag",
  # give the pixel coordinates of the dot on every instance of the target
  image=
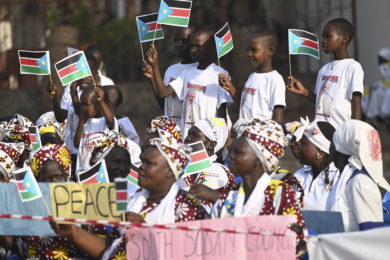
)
(148, 28)
(97, 174)
(35, 139)
(200, 160)
(121, 194)
(223, 41)
(34, 62)
(133, 177)
(27, 184)
(72, 68)
(175, 12)
(303, 42)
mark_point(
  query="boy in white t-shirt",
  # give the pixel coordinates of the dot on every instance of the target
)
(264, 94)
(172, 105)
(198, 85)
(95, 117)
(339, 87)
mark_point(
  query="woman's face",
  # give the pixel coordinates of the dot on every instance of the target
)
(118, 163)
(195, 135)
(52, 171)
(242, 158)
(154, 171)
(307, 151)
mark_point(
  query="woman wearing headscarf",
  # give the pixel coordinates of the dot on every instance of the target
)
(161, 200)
(10, 154)
(213, 133)
(357, 153)
(319, 174)
(161, 126)
(51, 163)
(52, 132)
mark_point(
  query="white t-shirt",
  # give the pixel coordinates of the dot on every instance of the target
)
(173, 106)
(93, 125)
(316, 191)
(262, 92)
(358, 199)
(336, 81)
(201, 94)
(127, 129)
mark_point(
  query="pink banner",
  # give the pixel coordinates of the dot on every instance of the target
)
(155, 243)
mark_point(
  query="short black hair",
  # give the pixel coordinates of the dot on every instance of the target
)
(92, 61)
(343, 27)
(268, 35)
(114, 94)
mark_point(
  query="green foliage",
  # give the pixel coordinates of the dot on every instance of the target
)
(118, 40)
(82, 20)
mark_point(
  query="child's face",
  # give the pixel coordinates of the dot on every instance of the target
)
(332, 40)
(90, 103)
(258, 51)
(182, 43)
(199, 46)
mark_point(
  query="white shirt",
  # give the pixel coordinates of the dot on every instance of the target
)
(336, 81)
(316, 191)
(127, 129)
(262, 92)
(357, 198)
(173, 106)
(92, 126)
(201, 94)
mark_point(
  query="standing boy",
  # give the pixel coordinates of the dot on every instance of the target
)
(339, 87)
(198, 85)
(264, 93)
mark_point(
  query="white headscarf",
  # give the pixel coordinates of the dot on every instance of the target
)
(313, 133)
(384, 67)
(361, 141)
(214, 129)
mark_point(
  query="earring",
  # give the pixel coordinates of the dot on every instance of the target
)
(318, 156)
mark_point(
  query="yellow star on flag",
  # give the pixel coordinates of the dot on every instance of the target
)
(28, 184)
(82, 64)
(165, 11)
(43, 63)
(295, 41)
(143, 28)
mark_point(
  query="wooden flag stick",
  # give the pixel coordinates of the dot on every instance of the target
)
(219, 63)
(142, 51)
(47, 207)
(289, 63)
(155, 29)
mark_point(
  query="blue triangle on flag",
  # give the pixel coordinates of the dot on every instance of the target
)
(101, 175)
(82, 64)
(164, 12)
(294, 42)
(143, 28)
(219, 44)
(42, 63)
(30, 184)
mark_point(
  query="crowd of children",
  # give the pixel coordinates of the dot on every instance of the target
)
(341, 155)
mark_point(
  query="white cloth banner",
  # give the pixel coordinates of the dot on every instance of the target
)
(370, 244)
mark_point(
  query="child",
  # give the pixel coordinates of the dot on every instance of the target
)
(263, 96)
(94, 105)
(198, 85)
(95, 51)
(172, 104)
(339, 86)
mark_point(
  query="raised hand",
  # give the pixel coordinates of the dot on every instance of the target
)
(225, 83)
(99, 92)
(152, 54)
(52, 89)
(147, 70)
(297, 87)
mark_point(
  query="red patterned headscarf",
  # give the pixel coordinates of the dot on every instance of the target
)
(9, 157)
(16, 130)
(162, 125)
(58, 153)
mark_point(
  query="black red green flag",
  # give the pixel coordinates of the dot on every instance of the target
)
(34, 62)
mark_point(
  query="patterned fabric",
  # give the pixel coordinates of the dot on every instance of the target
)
(16, 130)
(214, 129)
(48, 248)
(164, 125)
(9, 157)
(187, 208)
(176, 154)
(58, 153)
(362, 143)
(267, 140)
(313, 133)
(290, 179)
(53, 127)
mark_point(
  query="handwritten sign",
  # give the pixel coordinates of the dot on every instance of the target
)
(90, 201)
(176, 244)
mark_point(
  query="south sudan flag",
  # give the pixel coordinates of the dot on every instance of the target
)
(174, 12)
(34, 62)
(26, 184)
(72, 68)
(223, 40)
(148, 28)
(96, 174)
(200, 160)
(302, 42)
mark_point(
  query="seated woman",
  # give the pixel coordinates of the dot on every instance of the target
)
(255, 154)
(10, 154)
(161, 200)
(320, 174)
(357, 153)
(50, 164)
(52, 132)
(213, 133)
